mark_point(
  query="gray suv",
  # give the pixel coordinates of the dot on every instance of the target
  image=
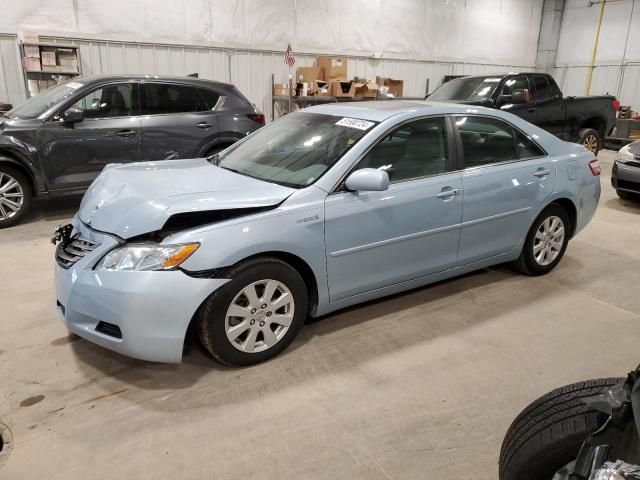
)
(57, 142)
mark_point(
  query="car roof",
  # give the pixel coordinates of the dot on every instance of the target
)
(89, 79)
(380, 110)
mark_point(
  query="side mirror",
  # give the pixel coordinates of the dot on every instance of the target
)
(73, 115)
(520, 95)
(368, 180)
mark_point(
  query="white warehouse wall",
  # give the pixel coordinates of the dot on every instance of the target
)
(242, 41)
(618, 57)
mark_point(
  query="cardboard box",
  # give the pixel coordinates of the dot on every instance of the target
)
(395, 86)
(32, 86)
(343, 88)
(281, 90)
(32, 51)
(321, 88)
(50, 68)
(48, 56)
(31, 63)
(43, 85)
(366, 89)
(333, 68)
(309, 74)
(28, 37)
(67, 59)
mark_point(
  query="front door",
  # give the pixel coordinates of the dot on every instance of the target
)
(73, 155)
(376, 239)
(176, 121)
(506, 178)
(526, 110)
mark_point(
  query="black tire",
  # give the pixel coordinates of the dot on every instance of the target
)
(27, 192)
(547, 435)
(210, 320)
(586, 136)
(527, 263)
(627, 195)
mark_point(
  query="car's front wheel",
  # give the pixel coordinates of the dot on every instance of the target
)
(15, 195)
(546, 242)
(256, 315)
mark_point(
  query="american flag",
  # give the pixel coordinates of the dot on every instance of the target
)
(289, 58)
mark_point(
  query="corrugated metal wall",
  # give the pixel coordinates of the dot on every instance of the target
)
(250, 71)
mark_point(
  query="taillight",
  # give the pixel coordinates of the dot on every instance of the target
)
(594, 166)
(257, 117)
(616, 104)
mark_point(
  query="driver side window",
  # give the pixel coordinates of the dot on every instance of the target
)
(108, 101)
(516, 83)
(414, 150)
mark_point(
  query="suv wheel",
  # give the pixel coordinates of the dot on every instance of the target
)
(15, 195)
(590, 139)
(254, 316)
(546, 242)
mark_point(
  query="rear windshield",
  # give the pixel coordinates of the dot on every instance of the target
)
(295, 150)
(469, 89)
(36, 106)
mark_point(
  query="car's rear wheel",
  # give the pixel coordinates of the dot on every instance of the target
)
(546, 437)
(15, 195)
(546, 242)
(590, 139)
(256, 315)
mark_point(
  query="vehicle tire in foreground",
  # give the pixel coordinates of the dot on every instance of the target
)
(256, 315)
(546, 242)
(15, 195)
(590, 139)
(548, 434)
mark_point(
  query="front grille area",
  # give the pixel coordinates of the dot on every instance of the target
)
(78, 247)
(626, 185)
(109, 329)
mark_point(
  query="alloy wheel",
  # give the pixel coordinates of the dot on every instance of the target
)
(590, 142)
(11, 196)
(548, 241)
(259, 316)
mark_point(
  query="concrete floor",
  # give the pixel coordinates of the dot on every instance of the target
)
(417, 385)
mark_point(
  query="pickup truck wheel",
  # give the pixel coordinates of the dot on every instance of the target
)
(15, 195)
(254, 316)
(590, 139)
(548, 434)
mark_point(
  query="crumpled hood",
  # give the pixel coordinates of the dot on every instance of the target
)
(132, 199)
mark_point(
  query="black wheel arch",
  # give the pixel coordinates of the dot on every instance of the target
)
(569, 207)
(223, 139)
(25, 165)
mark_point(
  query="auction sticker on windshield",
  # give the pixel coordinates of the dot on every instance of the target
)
(355, 123)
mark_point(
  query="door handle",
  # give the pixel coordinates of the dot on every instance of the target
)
(448, 193)
(126, 133)
(204, 125)
(543, 172)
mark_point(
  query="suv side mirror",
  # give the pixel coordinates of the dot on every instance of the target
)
(368, 180)
(73, 115)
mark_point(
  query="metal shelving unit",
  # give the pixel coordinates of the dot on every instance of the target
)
(306, 101)
(44, 75)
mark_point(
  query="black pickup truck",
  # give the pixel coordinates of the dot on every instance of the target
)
(537, 98)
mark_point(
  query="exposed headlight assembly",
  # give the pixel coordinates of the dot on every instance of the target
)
(146, 256)
(625, 155)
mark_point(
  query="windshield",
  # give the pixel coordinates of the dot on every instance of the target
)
(296, 149)
(36, 106)
(469, 89)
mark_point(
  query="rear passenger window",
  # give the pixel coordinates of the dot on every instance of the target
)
(414, 150)
(486, 140)
(159, 98)
(542, 89)
(526, 147)
(210, 97)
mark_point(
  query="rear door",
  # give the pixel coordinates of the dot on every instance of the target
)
(74, 154)
(549, 104)
(506, 178)
(177, 122)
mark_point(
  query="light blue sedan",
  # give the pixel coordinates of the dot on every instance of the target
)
(322, 209)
